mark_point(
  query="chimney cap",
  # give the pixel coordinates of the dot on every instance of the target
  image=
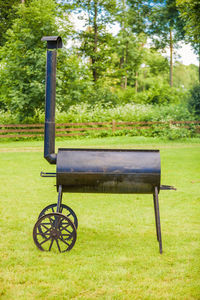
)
(53, 42)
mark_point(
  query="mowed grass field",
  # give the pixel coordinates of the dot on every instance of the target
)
(116, 255)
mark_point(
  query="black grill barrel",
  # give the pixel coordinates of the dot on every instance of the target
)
(50, 98)
(108, 171)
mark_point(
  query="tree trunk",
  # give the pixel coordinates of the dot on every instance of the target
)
(199, 68)
(122, 58)
(121, 64)
(136, 82)
(95, 27)
(22, 1)
(171, 59)
(199, 63)
(126, 64)
(125, 80)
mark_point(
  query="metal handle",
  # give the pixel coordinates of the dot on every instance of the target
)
(44, 174)
(167, 187)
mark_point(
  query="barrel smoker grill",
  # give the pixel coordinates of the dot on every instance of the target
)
(88, 171)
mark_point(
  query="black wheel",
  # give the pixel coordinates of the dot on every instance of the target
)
(58, 233)
(64, 209)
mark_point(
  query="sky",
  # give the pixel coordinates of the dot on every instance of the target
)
(184, 53)
(187, 55)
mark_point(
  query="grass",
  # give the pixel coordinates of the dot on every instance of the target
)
(116, 254)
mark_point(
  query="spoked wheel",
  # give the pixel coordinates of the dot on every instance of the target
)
(54, 231)
(64, 209)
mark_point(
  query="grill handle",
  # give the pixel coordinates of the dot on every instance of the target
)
(44, 174)
(167, 187)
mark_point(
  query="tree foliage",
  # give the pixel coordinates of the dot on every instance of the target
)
(189, 10)
(22, 70)
(7, 15)
(95, 39)
(166, 27)
(190, 14)
(194, 100)
(98, 65)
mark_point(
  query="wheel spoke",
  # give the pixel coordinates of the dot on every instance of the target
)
(70, 232)
(44, 241)
(58, 245)
(42, 224)
(42, 233)
(64, 241)
(51, 244)
(64, 227)
(51, 222)
(67, 224)
(67, 234)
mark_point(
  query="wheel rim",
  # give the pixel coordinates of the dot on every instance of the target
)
(64, 209)
(58, 233)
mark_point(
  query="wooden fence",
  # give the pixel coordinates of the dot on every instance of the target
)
(75, 129)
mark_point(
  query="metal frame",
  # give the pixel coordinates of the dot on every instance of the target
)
(60, 193)
(157, 218)
(155, 200)
(156, 212)
(53, 43)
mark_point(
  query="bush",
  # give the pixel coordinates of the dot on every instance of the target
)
(160, 94)
(101, 112)
(194, 101)
(106, 112)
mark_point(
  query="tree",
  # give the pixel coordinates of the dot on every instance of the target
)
(130, 40)
(154, 70)
(97, 47)
(189, 10)
(7, 15)
(194, 101)
(95, 39)
(129, 49)
(185, 76)
(23, 59)
(74, 82)
(166, 27)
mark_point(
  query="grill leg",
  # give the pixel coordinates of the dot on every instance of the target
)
(154, 200)
(59, 198)
(157, 218)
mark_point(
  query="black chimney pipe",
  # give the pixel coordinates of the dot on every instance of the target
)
(53, 43)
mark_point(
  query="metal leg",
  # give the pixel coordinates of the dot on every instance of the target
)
(154, 201)
(59, 198)
(157, 218)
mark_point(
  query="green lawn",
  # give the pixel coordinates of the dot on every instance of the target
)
(116, 255)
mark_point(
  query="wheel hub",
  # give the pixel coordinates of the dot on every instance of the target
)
(55, 233)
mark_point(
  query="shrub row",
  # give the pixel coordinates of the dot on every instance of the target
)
(102, 112)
